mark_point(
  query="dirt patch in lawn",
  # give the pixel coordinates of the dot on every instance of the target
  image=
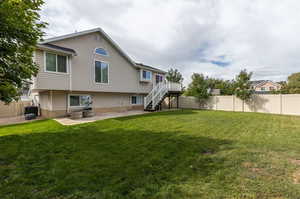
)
(251, 167)
(296, 177)
(295, 161)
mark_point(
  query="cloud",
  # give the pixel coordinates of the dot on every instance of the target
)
(214, 37)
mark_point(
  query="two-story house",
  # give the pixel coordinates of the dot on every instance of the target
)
(88, 67)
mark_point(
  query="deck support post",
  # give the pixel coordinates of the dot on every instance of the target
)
(169, 101)
(177, 101)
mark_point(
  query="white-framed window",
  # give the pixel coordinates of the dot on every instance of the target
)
(158, 78)
(101, 51)
(136, 100)
(146, 75)
(101, 72)
(78, 100)
(262, 88)
(56, 63)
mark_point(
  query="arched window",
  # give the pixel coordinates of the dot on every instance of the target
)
(101, 51)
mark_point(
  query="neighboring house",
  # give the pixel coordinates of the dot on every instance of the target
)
(265, 86)
(88, 67)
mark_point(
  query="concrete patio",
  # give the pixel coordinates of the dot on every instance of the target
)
(68, 121)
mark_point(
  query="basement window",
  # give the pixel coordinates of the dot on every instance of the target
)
(79, 100)
(137, 100)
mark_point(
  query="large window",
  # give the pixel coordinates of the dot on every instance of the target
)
(80, 100)
(137, 100)
(101, 72)
(101, 51)
(56, 63)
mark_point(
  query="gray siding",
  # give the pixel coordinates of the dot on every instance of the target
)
(123, 76)
(46, 80)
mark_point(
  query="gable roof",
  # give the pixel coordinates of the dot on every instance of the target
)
(47, 42)
(76, 34)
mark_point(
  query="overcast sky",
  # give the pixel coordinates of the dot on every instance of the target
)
(214, 37)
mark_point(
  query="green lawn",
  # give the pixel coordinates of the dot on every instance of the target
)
(168, 155)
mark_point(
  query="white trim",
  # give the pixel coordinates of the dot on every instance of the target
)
(70, 72)
(101, 54)
(143, 79)
(70, 94)
(94, 67)
(55, 72)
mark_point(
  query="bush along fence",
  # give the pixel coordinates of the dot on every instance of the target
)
(278, 104)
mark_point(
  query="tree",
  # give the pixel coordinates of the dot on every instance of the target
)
(293, 84)
(243, 86)
(227, 87)
(20, 30)
(283, 90)
(199, 88)
(173, 75)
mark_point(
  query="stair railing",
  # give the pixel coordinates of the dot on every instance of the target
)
(149, 98)
(158, 92)
(159, 95)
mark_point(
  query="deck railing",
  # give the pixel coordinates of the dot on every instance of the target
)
(159, 91)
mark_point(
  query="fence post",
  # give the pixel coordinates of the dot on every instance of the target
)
(233, 103)
(280, 95)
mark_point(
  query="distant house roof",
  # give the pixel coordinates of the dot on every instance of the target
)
(143, 66)
(256, 82)
(76, 34)
(261, 82)
(56, 48)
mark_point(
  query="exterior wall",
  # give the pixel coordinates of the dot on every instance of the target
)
(49, 80)
(123, 76)
(55, 103)
(277, 104)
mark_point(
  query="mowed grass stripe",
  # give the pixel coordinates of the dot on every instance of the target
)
(176, 154)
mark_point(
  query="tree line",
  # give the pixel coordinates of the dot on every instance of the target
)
(201, 85)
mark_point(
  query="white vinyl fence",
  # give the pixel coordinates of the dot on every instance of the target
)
(278, 104)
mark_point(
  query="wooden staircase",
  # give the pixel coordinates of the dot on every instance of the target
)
(154, 99)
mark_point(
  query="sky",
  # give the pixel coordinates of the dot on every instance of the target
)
(215, 37)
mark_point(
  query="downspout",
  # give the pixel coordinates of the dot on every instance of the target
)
(51, 100)
(70, 83)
